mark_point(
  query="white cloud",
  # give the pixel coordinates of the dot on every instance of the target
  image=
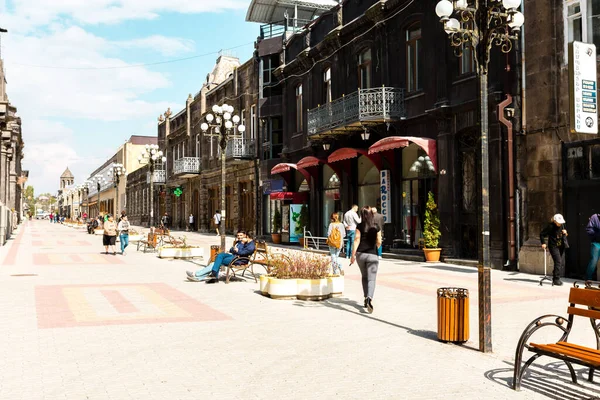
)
(164, 45)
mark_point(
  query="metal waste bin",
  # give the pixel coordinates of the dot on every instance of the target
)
(453, 314)
(214, 250)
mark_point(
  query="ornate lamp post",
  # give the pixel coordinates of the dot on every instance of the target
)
(153, 157)
(481, 24)
(99, 182)
(221, 125)
(114, 173)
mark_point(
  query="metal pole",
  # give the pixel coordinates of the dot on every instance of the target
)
(483, 270)
(99, 210)
(223, 143)
(151, 193)
(117, 196)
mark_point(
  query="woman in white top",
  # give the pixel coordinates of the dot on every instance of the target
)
(334, 250)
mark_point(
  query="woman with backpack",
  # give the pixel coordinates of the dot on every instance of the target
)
(335, 240)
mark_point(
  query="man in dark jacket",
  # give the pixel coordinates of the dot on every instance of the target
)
(554, 237)
(593, 231)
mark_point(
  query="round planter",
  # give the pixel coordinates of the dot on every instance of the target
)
(313, 289)
(284, 289)
(180, 252)
(336, 285)
(264, 285)
(432, 255)
(136, 238)
(276, 238)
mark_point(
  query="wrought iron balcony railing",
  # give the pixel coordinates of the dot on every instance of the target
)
(241, 148)
(160, 176)
(384, 104)
(187, 165)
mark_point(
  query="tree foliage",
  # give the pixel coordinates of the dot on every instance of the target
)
(431, 233)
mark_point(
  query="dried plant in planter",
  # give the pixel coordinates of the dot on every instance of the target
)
(303, 265)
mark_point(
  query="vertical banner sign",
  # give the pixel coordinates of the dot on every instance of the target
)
(384, 188)
(583, 85)
(295, 229)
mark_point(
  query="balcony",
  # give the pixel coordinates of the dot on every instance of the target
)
(160, 176)
(186, 167)
(279, 28)
(353, 112)
(241, 149)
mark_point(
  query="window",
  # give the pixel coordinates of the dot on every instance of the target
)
(243, 122)
(413, 58)
(299, 108)
(582, 22)
(183, 149)
(253, 121)
(327, 86)
(466, 60)
(364, 69)
(197, 145)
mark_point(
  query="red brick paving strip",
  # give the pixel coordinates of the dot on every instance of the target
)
(119, 302)
(11, 257)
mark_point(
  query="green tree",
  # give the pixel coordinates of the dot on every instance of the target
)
(431, 233)
(29, 198)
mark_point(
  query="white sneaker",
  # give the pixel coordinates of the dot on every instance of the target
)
(381, 258)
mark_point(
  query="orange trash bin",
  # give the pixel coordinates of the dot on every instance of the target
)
(453, 314)
(214, 250)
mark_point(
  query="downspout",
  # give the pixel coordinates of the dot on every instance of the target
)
(512, 247)
(523, 79)
(257, 153)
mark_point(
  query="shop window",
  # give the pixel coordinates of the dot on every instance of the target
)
(414, 58)
(576, 164)
(364, 69)
(368, 183)
(299, 108)
(331, 198)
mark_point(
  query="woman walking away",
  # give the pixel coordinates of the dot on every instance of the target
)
(335, 241)
(110, 235)
(364, 251)
(123, 229)
(554, 237)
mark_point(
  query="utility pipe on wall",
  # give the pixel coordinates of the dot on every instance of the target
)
(512, 246)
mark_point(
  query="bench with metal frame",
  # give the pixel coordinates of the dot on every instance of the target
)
(583, 302)
(261, 256)
(151, 242)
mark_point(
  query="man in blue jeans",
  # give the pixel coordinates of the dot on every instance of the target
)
(593, 231)
(243, 246)
(351, 220)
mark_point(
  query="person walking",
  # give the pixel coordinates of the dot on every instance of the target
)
(51, 217)
(364, 252)
(123, 229)
(110, 235)
(191, 222)
(554, 238)
(351, 219)
(335, 240)
(378, 219)
(593, 231)
(217, 221)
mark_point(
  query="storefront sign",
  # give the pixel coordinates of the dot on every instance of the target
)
(384, 188)
(583, 86)
(273, 186)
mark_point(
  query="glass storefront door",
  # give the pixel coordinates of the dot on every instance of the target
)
(368, 183)
(331, 198)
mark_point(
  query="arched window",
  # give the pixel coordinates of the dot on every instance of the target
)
(327, 86)
(413, 58)
(364, 69)
(299, 108)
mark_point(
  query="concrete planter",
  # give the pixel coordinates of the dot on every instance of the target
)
(180, 252)
(264, 285)
(284, 289)
(98, 231)
(136, 238)
(312, 289)
(301, 289)
(336, 285)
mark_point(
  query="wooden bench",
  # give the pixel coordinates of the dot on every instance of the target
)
(171, 240)
(151, 242)
(583, 302)
(261, 256)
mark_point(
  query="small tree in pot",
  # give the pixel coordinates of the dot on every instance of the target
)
(431, 233)
(276, 233)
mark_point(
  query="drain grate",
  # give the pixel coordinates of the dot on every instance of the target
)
(24, 275)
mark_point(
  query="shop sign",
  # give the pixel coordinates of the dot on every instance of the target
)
(384, 188)
(583, 85)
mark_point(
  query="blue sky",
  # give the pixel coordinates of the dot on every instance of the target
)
(78, 117)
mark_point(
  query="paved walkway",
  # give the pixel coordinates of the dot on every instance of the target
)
(78, 324)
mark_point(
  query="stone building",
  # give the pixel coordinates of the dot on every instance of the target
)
(65, 200)
(558, 170)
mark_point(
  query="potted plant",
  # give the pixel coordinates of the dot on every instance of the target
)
(431, 233)
(303, 222)
(276, 235)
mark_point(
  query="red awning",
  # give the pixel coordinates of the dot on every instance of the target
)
(345, 153)
(282, 167)
(396, 142)
(308, 162)
(296, 197)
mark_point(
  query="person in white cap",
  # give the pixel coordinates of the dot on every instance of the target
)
(554, 237)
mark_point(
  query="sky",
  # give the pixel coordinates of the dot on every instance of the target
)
(72, 70)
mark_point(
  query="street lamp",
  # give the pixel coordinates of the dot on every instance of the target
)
(152, 156)
(115, 171)
(99, 182)
(481, 24)
(221, 125)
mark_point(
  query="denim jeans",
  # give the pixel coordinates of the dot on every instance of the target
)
(594, 257)
(204, 271)
(221, 259)
(124, 239)
(379, 251)
(335, 263)
(350, 235)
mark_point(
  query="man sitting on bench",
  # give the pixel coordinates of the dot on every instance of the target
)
(243, 246)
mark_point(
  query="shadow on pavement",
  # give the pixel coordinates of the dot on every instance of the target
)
(536, 281)
(453, 269)
(551, 380)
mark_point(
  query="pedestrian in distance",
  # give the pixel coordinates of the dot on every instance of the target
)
(378, 219)
(123, 229)
(191, 222)
(554, 238)
(51, 217)
(164, 220)
(217, 221)
(335, 240)
(110, 235)
(593, 231)
(351, 219)
(364, 252)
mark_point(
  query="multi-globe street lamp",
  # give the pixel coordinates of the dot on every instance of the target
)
(481, 24)
(221, 125)
(99, 182)
(152, 156)
(114, 173)
(84, 188)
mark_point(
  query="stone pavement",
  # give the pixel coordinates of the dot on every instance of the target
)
(78, 324)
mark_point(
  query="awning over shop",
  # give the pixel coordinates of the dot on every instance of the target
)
(296, 197)
(282, 168)
(308, 162)
(345, 153)
(396, 142)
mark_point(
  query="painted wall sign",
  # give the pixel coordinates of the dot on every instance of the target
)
(386, 201)
(583, 85)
